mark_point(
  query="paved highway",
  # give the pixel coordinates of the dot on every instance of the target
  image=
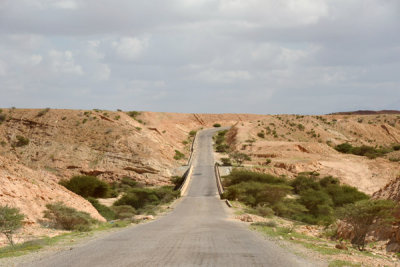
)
(198, 232)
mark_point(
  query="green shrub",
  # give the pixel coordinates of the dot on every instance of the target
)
(238, 176)
(123, 211)
(226, 162)
(396, 147)
(177, 181)
(303, 183)
(21, 141)
(261, 134)
(192, 133)
(344, 194)
(2, 118)
(10, 222)
(139, 198)
(178, 155)
(222, 148)
(43, 112)
(289, 208)
(87, 186)
(66, 218)
(366, 151)
(264, 211)
(344, 148)
(105, 211)
(256, 193)
(217, 125)
(133, 114)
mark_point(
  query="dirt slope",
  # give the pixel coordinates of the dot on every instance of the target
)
(304, 143)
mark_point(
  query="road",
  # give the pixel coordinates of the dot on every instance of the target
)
(198, 232)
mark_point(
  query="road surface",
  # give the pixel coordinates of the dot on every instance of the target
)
(198, 232)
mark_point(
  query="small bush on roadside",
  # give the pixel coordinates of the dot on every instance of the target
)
(226, 162)
(217, 125)
(87, 186)
(66, 218)
(10, 222)
(178, 155)
(177, 181)
(123, 211)
(192, 133)
(105, 211)
(139, 198)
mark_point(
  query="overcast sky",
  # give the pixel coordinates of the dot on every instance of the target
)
(209, 56)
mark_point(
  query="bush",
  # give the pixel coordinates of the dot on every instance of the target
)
(177, 181)
(217, 125)
(192, 133)
(139, 198)
(238, 176)
(2, 118)
(344, 148)
(105, 211)
(261, 134)
(366, 151)
(87, 186)
(256, 193)
(133, 114)
(303, 183)
(10, 222)
(396, 147)
(21, 141)
(226, 162)
(123, 211)
(43, 112)
(178, 155)
(66, 218)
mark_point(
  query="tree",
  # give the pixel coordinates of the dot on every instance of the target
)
(362, 214)
(239, 157)
(10, 222)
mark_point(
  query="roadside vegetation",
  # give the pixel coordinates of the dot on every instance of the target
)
(367, 151)
(309, 200)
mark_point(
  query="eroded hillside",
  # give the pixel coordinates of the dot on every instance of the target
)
(297, 144)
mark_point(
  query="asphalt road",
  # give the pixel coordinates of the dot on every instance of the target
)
(198, 232)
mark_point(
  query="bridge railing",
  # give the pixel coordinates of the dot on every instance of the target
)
(188, 174)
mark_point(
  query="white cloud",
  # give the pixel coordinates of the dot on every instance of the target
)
(102, 72)
(35, 59)
(221, 76)
(130, 48)
(66, 4)
(63, 62)
(3, 68)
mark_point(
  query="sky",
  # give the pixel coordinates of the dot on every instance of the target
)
(201, 56)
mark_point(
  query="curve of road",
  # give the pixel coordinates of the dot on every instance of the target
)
(198, 232)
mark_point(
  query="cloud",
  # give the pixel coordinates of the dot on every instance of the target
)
(130, 48)
(63, 62)
(260, 56)
(3, 68)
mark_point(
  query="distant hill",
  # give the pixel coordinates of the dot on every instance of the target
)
(366, 112)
